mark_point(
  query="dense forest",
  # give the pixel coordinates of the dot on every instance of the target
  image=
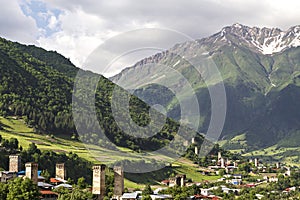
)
(37, 85)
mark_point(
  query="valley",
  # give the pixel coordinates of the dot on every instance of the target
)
(16, 128)
(47, 119)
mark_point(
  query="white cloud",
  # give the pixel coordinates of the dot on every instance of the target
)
(84, 24)
(79, 34)
(14, 25)
(53, 22)
(87, 23)
(195, 17)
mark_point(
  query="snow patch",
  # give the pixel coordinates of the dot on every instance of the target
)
(296, 41)
(275, 44)
(265, 40)
(223, 32)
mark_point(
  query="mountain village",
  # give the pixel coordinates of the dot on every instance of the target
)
(235, 176)
(260, 73)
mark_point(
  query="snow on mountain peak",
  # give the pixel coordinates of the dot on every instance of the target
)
(264, 40)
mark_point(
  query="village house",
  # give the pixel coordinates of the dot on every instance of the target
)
(5, 176)
(130, 196)
(270, 177)
(48, 195)
(161, 196)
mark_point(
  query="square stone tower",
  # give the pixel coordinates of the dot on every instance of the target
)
(278, 165)
(32, 171)
(14, 163)
(182, 179)
(118, 182)
(99, 181)
(60, 171)
(222, 163)
(256, 162)
(196, 151)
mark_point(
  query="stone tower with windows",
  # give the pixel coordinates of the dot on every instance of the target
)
(60, 171)
(14, 163)
(32, 171)
(99, 181)
(118, 182)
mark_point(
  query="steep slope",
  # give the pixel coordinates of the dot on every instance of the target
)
(34, 88)
(260, 68)
(38, 86)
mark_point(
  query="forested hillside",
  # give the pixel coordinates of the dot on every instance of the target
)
(34, 88)
(37, 85)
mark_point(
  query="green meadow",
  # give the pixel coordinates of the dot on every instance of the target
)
(16, 128)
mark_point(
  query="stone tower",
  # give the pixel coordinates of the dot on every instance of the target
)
(193, 140)
(219, 156)
(222, 163)
(196, 150)
(182, 180)
(32, 171)
(288, 172)
(60, 171)
(118, 182)
(99, 181)
(14, 163)
(256, 162)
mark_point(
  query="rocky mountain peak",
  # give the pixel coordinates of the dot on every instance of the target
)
(264, 40)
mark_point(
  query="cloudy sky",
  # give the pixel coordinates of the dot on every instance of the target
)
(75, 28)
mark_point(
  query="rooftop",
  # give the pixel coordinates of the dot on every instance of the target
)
(133, 195)
(44, 192)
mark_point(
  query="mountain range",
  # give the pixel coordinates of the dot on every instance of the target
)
(260, 69)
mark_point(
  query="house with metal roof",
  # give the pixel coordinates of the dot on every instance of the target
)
(130, 196)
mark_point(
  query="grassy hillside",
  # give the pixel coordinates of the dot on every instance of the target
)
(16, 128)
(286, 150)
